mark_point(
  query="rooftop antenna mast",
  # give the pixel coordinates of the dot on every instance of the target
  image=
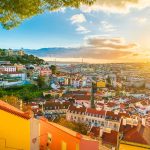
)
(81, 65)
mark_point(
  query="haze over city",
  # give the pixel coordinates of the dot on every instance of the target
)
(75, 74)
(108, 31)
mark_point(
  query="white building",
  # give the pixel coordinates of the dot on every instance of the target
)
(99, 118)
(8, 68)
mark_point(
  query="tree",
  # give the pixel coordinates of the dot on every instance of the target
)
(12, 100)
(53, 68)
(78, 127)
(41, 82)
(13, 12)
(108, 81)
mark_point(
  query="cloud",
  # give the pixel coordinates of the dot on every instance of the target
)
(141, 20)
(104, 48)
(78, 18)
(82, 30)
(109, 43)
(99, 53)
(107, 27)
(98, 48)
(116, 6)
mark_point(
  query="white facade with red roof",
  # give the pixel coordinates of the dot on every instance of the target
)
(93, 117)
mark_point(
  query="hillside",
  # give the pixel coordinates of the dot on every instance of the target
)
(23, 59)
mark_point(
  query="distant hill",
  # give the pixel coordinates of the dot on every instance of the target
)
(24, 59)
(52, 52)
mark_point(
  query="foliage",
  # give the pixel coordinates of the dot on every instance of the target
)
(41, 82)
(26, 93)
(12, 100)
(108, 82)
(25, 59)
(16, 102)
(53, 68)
(78, 127)
(13, 12)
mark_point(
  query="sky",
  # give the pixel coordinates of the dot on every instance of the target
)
(108, 31)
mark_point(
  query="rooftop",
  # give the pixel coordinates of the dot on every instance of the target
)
(10, 109)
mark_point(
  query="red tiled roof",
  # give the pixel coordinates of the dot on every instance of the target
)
(94, 111)
(58, 104)
(116, 116)
(123, 115)
(78, 92)
(111, 104)
(145, 102)
(95, 131)
(100, 104)
(136, 134)
(5, 72)
(110, 138)
(112, 115)
(82, 97)
(10, 109)
(75, 109)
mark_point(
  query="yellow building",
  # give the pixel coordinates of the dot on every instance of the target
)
(133, 146)
(54, 93)
(101, 84)
(15, 129)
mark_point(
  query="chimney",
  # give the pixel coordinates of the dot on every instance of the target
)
(116, 112)
(143, 121)
(124, 122)
(101, 132)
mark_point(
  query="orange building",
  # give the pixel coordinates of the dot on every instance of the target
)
(57, 137)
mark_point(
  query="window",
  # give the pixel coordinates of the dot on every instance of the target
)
(63, 145)
(49, 138)
(77, 146)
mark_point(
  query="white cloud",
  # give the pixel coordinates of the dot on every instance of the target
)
(116, 6)
(107, 27)
(82, 30)
(104, 42)
(78, 18)
(141, 20)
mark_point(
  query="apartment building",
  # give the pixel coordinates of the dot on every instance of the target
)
(98, 118)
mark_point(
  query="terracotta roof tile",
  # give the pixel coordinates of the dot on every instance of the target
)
(110, 138)
(10, 109)
(136, 134)
(75, 109)
(94, 111)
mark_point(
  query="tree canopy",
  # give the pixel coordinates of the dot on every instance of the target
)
(53, 68)
(13, 12)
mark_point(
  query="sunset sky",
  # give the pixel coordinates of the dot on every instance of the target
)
(108, 31)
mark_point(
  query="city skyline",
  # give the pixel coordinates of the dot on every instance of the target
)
(108, 31)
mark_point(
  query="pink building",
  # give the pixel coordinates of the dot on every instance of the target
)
(45, 72)
(56, 137)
